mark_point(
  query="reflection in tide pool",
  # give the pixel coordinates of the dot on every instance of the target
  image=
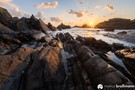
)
(97, 34)
(114, 58)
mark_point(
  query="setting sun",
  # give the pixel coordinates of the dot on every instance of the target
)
(92, 24)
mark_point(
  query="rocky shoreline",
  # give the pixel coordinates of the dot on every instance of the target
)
(42, 66)
(35, 60)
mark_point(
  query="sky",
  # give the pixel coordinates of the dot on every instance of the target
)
(71, 12)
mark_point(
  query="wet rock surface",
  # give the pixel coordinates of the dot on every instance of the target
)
(42, 67)
(128, 57)
(128, 53)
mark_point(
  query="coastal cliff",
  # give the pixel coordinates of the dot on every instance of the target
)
(117, 23)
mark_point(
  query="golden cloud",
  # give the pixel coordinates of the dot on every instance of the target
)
(47, 5)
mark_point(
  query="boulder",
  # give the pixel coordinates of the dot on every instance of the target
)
(118, 46)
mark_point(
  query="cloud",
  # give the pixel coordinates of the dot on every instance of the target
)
(55, 19)
(109, 7)
(40, 15)
(47, 5)
(13, 9)
(98, 7)
(79, 13)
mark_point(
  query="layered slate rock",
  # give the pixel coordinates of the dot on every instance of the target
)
(87, 70)
(12, 66)
(6, 30)
(47, 71)
(8, 43)
(99, 71)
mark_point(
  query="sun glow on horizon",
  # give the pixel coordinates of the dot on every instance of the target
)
(91, 23)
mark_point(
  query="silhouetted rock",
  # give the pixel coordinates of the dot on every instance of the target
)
(117, 23)
(62, 26)
(85, 26)
(51, 27)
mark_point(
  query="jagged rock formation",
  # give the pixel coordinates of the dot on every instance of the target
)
(23, 24)
(117, 23)
(51, 27)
